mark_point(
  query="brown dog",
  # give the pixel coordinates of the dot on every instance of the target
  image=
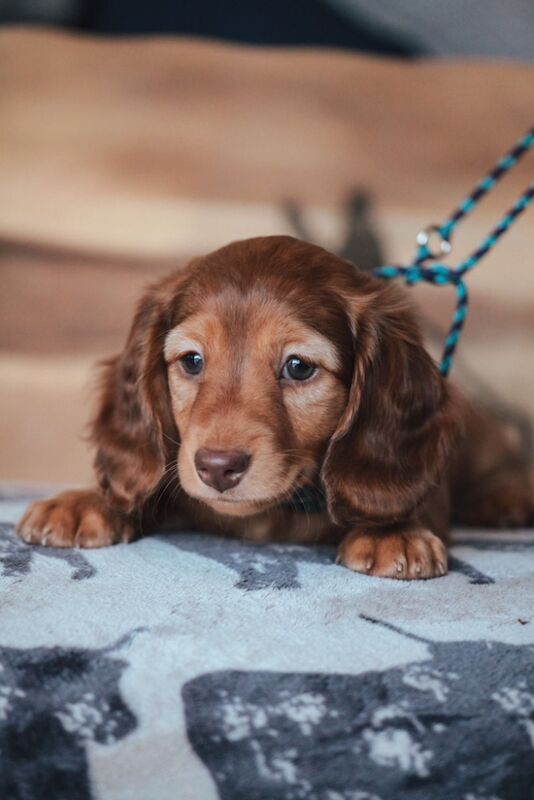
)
(270, 366)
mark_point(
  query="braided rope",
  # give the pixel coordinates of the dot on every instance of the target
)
(440, 274)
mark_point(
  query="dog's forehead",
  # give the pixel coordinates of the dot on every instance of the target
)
(282, 266)
(268, 286)
(247, 322)
(313, 282)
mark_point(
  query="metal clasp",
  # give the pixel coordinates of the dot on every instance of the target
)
(441, 247)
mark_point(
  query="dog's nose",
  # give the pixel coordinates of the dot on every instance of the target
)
(221, 469)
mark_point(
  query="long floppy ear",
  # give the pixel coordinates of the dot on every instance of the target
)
(393, 439)
(134, 430)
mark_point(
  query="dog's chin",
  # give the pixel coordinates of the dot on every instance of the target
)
(237, 508)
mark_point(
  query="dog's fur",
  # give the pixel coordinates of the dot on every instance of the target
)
(395, 448)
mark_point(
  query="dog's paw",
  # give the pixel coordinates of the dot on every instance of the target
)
(73, 519)
(408, 555)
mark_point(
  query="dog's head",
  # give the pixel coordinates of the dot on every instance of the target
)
(266, 365)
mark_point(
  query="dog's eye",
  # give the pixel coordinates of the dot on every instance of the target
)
(192, 363)
(297, 370)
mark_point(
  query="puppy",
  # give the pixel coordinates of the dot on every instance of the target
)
(273, 391)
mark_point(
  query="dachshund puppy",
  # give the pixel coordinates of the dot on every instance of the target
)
(273, 391)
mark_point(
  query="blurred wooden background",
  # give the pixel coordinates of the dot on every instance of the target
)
(119, 160)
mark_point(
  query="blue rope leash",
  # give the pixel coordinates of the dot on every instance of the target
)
(440, 274)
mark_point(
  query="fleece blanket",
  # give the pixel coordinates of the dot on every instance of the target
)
(189, 667)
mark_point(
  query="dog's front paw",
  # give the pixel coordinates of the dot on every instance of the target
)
(407, 555)
(74, 519)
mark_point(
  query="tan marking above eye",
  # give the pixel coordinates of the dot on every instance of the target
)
(178, 343)
(314, 349)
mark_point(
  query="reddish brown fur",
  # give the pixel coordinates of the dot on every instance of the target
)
(392, 444)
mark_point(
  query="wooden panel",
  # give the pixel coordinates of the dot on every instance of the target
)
(121, 159)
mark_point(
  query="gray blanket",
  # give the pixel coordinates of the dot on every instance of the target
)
(188, 667)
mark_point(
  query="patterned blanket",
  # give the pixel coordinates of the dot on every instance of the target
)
(189, 667)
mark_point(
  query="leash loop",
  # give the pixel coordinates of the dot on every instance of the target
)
(428, 250)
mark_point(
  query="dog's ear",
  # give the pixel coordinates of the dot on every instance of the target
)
(134, 430)
(393, 439)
